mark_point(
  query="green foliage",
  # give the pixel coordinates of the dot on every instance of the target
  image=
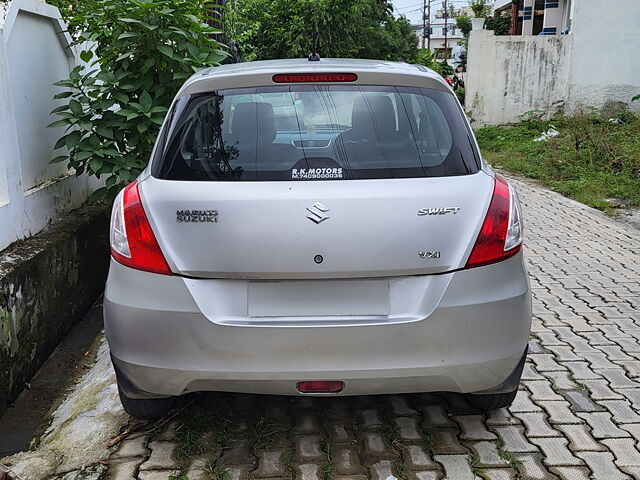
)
(267, 29)
(464, 25)
(479, 7)
(201, 432)
(460, 93)
(591, 160)
(445, 69)
(500, 24)
(143, 51)
(637, 97)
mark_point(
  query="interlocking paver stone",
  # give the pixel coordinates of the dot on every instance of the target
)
(602, 426)
(624, 450)
(161, 456)
(556, 452)
(580, 438)
(532, 468)
(602, 466)
(473, 428)
(417, 459)
(456, 467)
(514, 439)
(487, 454)
(346, 460)
(621, 411)
(536, 425)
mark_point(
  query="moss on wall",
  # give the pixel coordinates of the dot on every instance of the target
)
(47, 283)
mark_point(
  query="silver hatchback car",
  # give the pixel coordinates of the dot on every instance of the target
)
(316, 228)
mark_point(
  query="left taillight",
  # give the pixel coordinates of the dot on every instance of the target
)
(133, 242)
(501, 234)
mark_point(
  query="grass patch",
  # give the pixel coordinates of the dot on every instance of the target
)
(264, 433)
(289, 462)
(201, 432)
(390, 431)
(591, 160)
(401, 469)
(215, 469)
(429, 443)
(327, 468)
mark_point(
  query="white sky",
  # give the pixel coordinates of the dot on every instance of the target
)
(412, 9)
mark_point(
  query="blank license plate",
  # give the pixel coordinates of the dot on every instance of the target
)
(318, 298)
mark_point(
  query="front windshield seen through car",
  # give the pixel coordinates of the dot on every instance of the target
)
(316, 132)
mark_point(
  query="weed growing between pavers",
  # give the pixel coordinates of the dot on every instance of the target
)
(509, 457)
(264, 433)
(215, 468)
(327, 468)
(202, 432)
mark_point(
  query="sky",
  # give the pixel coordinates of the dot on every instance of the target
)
(412, 9)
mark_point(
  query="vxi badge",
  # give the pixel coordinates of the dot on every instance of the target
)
(438, 211)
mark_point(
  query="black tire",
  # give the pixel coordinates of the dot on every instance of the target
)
(145, 408)
(492, 401)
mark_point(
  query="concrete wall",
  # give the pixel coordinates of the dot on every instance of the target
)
(596, 64)
(605, 62)
(34, 53)
(511, 75)
(47, 284)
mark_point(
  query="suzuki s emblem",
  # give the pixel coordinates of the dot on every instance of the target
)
(317, 212)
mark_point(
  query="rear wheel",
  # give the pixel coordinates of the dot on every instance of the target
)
(492, 401)
(145, 408)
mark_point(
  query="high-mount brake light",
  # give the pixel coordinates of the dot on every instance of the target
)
(133, 242)
(314, 77)
(501, 234)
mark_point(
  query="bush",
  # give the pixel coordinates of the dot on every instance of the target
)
(142, 53)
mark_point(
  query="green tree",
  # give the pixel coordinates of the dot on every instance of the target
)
(142, 51)
(267, 29)
(500, 24)
(464, 25)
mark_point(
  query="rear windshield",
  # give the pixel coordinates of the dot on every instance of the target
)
(315, 132)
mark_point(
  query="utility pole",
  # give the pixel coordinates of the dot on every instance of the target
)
(446, 30)
(424, 21)
(429, 22)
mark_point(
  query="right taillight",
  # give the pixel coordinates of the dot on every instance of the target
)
(133, 242)
(501, 234)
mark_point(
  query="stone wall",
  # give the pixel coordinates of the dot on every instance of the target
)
(47, 284)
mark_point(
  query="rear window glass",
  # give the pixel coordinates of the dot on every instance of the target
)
(313, 132)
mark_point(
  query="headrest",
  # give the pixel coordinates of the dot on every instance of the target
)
(253, 122)
(370, 108)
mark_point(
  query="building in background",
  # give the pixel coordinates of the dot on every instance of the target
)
(537, 17)
(441, 32)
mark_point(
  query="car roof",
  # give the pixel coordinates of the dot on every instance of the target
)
(260, 73)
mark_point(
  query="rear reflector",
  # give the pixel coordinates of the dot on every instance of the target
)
(314, 77)
(320, 387)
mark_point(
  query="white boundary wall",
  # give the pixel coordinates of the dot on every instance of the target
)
(34, 53)
(511, 75)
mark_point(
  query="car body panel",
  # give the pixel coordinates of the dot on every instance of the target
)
(170, 341)
(373, 229)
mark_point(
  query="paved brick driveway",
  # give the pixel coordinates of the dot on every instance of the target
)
(575, 416)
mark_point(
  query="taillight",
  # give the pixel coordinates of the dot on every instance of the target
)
(133, 243)
(314, 77)
(501, 234)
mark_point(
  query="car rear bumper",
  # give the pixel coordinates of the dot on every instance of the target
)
(464, 331)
